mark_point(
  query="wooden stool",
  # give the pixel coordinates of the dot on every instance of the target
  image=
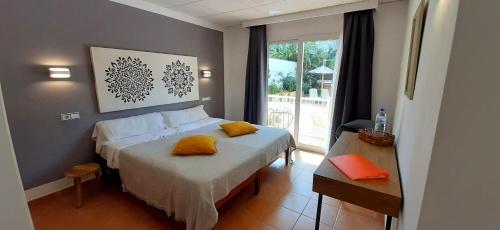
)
(77, 172)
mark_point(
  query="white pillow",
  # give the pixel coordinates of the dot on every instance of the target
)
(196, 113)
(177, 118)
(116, 129)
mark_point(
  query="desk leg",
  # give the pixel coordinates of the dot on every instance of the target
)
(388, 223)
(318, 211)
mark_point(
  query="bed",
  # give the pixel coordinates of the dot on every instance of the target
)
(188, 188)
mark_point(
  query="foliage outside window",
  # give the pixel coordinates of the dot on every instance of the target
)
(316, 53)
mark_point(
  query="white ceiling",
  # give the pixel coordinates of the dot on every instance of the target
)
(233, 12)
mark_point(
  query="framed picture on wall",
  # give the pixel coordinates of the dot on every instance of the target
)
(128, 79)
(415, 43)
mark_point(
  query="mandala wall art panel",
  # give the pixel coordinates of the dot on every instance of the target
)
(127, 79)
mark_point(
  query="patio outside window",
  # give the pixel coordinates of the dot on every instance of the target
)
(300, 99)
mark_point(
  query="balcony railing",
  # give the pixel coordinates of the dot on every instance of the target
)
(303, 100)
(314, 117)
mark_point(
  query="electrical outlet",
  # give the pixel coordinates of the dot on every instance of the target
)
(65, 116)
(206, 98)
(70, 116)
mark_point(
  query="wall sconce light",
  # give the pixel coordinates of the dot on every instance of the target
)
(57, 72)
(206, 73)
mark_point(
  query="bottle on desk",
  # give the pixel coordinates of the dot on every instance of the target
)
(380, 122)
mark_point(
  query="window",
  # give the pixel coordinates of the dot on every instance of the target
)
(301, 99)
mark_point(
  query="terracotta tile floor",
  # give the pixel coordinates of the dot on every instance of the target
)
(284, 202)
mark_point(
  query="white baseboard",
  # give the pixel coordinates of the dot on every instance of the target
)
(52, 187)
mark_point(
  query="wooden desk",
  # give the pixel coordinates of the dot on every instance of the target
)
(381, 195)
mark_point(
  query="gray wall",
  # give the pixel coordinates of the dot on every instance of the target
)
(14, 209)
(37, 34)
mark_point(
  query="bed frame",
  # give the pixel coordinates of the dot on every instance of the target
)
(255, 178)
(109, 173)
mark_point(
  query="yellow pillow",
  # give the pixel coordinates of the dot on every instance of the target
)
(238, 128)
(196, 145)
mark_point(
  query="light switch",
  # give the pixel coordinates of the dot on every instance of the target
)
(206, 98)
(75, 115)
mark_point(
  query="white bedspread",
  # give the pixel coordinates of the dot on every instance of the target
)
(188, 187)
(110, 150)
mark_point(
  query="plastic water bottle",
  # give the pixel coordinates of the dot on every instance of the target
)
(380, 122)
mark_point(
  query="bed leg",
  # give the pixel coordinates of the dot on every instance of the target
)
(287, 156)
(256, 183)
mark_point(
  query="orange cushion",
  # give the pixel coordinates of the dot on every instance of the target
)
(238, 128)
(196, 145)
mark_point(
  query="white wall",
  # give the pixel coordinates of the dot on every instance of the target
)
(235, 64)
(463, 185)
(327, 25)
(14, 212)
(390, 23)
(416, 120)
(390, 28)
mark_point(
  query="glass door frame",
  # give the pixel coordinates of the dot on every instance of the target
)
(300, 40)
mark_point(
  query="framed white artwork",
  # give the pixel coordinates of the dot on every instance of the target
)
(127, 79)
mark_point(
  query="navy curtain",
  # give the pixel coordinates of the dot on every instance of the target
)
(354, 91)
(256, 80)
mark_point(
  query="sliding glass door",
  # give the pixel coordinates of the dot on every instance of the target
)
(318, 84)
(301, 83)
(282, 85)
